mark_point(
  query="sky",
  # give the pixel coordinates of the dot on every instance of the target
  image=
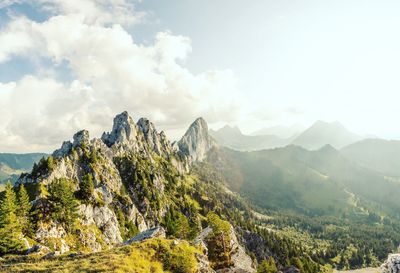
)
(67, 65)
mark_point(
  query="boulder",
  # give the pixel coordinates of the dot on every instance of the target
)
(157, 232)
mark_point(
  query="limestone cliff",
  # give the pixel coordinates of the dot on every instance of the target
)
(140, 181)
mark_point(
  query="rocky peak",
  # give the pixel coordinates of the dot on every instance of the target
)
(150, 134)
(196, 142)
(124, 129)
(81, 137)
(146, 126)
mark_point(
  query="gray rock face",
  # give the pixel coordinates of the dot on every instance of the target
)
(392, 264)
(53, 231)
(196, 142)
(256, 244)
(49, 231)
(157, 232)
(242, 262)
(81, 137)
(104, 219)
(124, 130)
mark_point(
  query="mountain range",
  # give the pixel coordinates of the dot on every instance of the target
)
(313, 138)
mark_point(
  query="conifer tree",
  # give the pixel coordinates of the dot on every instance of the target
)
(10, 229)
(41, 210)
(62, 202)
(267, 266)
(24, 210)
(86, 187)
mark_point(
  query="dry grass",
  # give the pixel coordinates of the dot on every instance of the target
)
(151, 256)
(364, 270)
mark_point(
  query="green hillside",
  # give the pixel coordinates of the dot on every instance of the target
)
(321, 182)
(333, 206)
(377, 154)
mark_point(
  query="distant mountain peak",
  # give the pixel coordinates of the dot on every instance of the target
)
(322, 133)
(230, 129)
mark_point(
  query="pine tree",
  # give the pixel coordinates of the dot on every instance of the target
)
(10, 229)
(267, 266)
(50, 163)
(24, 211)
(86, 187)
(41, 212)
(62, 202)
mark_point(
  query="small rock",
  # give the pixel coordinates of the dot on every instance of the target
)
(40, 249)
(52, 255)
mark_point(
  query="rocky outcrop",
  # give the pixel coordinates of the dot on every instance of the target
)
(130, 167)
(104, 219)
(392, 264)
(241, 262)
(157, 232)
(196, 142)
(257, 245)
(123, 131)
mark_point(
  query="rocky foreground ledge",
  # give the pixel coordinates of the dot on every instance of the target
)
(392, 264)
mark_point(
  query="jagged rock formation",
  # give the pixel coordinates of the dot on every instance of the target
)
(196, 142)
(128, 151)
(392, 264)
(139, 183)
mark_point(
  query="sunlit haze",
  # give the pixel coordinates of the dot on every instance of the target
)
(254, 64)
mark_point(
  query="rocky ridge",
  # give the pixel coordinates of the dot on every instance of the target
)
(136, 174)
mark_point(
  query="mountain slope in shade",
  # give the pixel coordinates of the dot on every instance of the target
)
(377, 154)
(20, 161)
(12, 165)
(233, 138)
(322, 133)
(310, 182)
(280, 131)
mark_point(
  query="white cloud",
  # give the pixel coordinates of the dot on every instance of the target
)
(96, 11)
(112, 73)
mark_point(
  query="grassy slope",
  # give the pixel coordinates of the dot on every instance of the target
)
(153, 255)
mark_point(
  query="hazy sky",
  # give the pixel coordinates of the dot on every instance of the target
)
(72, 64)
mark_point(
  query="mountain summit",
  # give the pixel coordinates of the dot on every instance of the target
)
(196, 142)
(322, 133)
